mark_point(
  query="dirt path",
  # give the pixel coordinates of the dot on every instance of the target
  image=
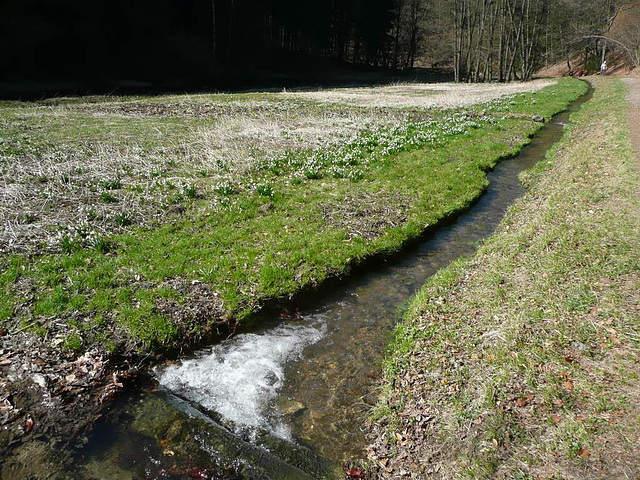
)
(633, 83)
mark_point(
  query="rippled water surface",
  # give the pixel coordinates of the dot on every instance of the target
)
(241, 379)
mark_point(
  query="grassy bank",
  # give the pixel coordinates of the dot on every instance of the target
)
(522, 362)
(160, 245)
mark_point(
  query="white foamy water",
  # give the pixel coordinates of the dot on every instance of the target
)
(240, 378)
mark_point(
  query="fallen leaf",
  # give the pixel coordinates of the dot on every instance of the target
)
(29, 424)
(521, 402)
(568, 385)
(355, 472)
(196, 473)
(584, 453)
(556, 418)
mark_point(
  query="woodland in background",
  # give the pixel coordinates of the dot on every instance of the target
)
(146, 40)
(511, 39)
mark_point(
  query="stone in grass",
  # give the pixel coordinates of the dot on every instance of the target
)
(40, 380)
(176, 209)
(266, 207)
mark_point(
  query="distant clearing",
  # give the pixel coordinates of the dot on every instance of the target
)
(422, 95)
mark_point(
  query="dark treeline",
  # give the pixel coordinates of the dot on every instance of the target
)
(160, 40)
(148, 39)
(84, 40)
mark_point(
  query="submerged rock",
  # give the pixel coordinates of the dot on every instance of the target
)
(292, 408)
(36, 459)
(191, 437)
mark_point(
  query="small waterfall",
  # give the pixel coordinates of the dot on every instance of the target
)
(239, 379)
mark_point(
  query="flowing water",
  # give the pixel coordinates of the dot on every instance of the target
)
(307, 379)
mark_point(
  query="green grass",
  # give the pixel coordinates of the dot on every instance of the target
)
(531, 347)
(546, 103)
(271, 236)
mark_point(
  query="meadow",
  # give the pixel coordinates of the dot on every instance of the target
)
(138, 223)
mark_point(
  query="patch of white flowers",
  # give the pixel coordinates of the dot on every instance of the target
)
(225, 187)
(80, 234)
(226, 203)
(261, 188)
(350, 158)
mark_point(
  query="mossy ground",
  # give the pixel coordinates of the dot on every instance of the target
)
(522, 362)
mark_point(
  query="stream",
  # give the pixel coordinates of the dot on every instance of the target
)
(288, 400)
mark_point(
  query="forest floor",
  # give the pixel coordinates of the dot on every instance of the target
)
(523, 361)
(139, 227)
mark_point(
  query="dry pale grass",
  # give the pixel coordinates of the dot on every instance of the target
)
(234, 142)
(231, 138)
(157, 147)
(73, 192)
(421, 95)
(46, 194)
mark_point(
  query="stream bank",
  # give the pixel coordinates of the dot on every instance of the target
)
(522, 361)
(308, 379)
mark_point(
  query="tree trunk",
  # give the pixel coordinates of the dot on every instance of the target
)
(213, 27)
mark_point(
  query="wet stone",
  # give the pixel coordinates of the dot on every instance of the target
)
(6, 438)
(175, 432)
(292, 408)
(35, 460)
